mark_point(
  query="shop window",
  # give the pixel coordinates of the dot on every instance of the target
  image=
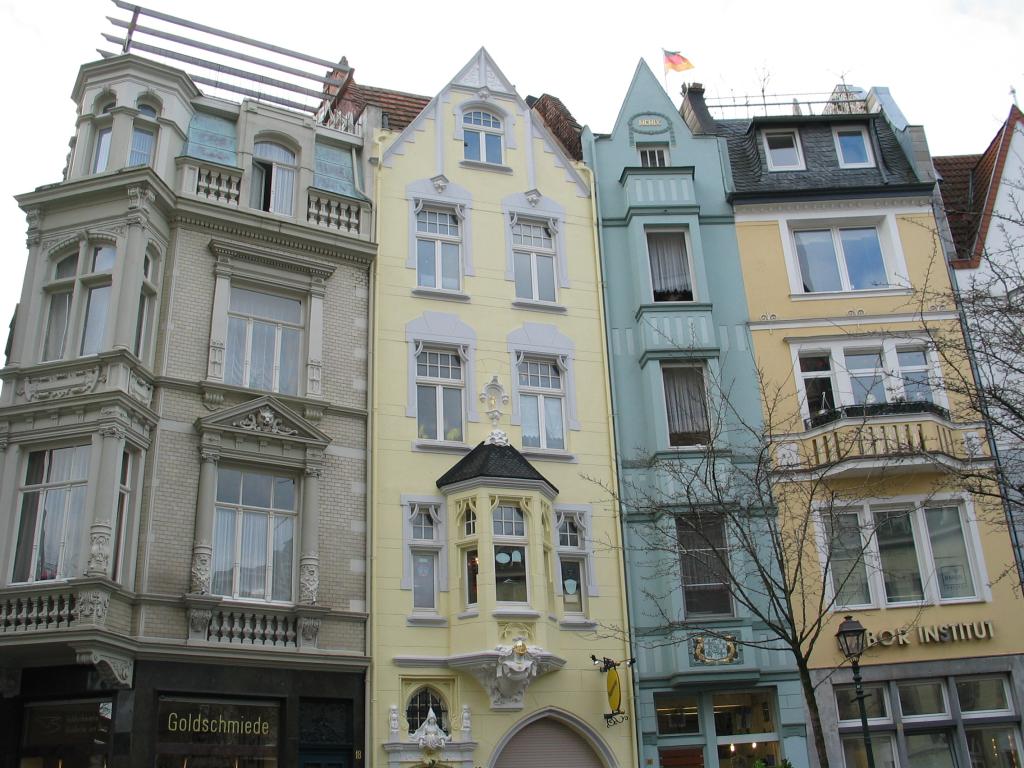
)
(681, 757)
(52, 522)
(69, 733)
(217, 732)
(677, 714)
(993, 746)
(745, 728)
(931, 749)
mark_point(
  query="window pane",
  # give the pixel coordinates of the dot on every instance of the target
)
(26, 537)
(252, 572)
(426, 270)
(681, 757)
(863, 254)
(471, 140)
(917, 387)
(676, 713)
(256, 489)
(261, 362)
(529, 411)
(572, 586)
(853, 148)
(685, 406)
(423, 581)
(140, 325)
(819, 394)
(50, 535)
(848, 570)
(524, 275)
(283, 548)
(510, 574)
(103, 258)
(426, 413)
(234, 355)
(265, 305)
(493, 142)
(741, 713)
(881, 748)
(223, 551)
(910, 358)
(284, 493)
(782, 147)
(869, 387)
(288, 371)
(450, 266)
(452, 400)
(874, 703)
(66, 267)
(993, 747)
(95, 320)
(268, 150)
(142, 147)
(472, 571)
(818, 266)
(984, 695)
(545, 278)
(895, 534)
(229, 485)
(930, 750)
(554, 431)
(921, 699)
(57, 325)
(670, 268)
(283, 183)
(73, 533)
(102, 151)
(952, 568)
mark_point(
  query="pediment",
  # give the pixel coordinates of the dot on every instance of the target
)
(481, 72)
(263, 417)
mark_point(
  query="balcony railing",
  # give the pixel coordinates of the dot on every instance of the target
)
(659, 187)
(37, 611)
(217, 184)
(874, 409)
(337, 213)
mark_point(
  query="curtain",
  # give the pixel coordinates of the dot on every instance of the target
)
(142, 147)
(252, 572)
(670, 269)
(284, 182)
(684, 403)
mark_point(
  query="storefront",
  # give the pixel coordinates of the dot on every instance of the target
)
(184, 715)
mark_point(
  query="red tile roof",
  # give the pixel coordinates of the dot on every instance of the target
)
(561, 123)
(401, 108)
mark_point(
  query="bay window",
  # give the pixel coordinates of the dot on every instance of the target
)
(541, 403)
(671, 279)
(264, 341)
(439, 395)
(254, 535)
(510, 571)
(52, 522)
(685, 405)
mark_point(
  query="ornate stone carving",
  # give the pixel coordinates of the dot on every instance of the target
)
(309, 631)
(92, 604)
(264, 420)
(429, 735)
(201, 573)
(512, 630)
(466, 733)
(393, 722)
(140, 198)
(115, 671)
(493, 396)
(216, 363)
(507, 672)
(712, 649)
(115, 431)
(59, 385)
(199, 623)
(140, 389)
(10, 682)
(440, 183)
(99, 550)
(309, 583)
(314, 378)
(533, 196)
(33, 218)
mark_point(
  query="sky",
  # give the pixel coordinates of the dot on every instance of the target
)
(949, 64)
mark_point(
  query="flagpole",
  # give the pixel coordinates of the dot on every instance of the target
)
(664, 71)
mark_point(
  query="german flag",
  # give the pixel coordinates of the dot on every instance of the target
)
(676, 61)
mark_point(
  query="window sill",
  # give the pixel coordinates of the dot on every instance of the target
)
(515, 613)
(426, 620)
(548, 454)
(441, 446)
(439, 293)
(539, 306)
(468, 614)
(896, 290)
(581, 624)
(481, 166)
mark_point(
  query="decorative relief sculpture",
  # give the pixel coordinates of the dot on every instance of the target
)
(264, 420)
(711, 649)
(309, 631)
(309, 583)
(467, 724)
(92, 604)
(429, 735)
(507, 671)
(115, 671)
(393, 723)
(140, 389)
(199, 623)
(59, 385)
(200, 573)
(493, 396)
(99, 550)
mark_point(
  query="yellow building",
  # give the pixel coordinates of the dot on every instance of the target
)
(496, 571)
(837, 240)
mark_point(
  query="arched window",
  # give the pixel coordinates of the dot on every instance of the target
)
(482, 134)
(424, 700)
(273, 178)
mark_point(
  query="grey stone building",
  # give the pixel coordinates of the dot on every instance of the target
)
(183, 438)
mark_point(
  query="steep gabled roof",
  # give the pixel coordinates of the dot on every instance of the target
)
(560, 122)
(492, 461)
(969, 187)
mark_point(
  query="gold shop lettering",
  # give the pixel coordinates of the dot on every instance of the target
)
(935, 633)
(202, 724)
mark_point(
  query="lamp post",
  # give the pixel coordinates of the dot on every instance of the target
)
(852, 638)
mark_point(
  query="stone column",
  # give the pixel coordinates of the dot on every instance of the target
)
(219, 322)
(202, 546)
(315, 355)
(112, 438)
(128, 280)
(309, 536)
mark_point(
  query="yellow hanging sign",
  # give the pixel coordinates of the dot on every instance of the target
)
(614, 687)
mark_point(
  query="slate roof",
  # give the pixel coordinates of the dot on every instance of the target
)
(560, 122)
(492, 461)
(892, 171)
(969, 185)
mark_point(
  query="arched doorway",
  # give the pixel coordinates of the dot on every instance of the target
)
(548, 743)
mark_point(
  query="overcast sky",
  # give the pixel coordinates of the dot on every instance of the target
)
(949, 65)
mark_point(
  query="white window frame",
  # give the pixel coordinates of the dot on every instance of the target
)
(80, 285)
(703, 368)
(883, 688)
(435, 547)
(684, 233)
(274, 165)
(280, 326)
(983, 713)
(483, 131)
(439, 385)
(943, 715)
(272, 514)
(872, 561)
(653, 151)
(144, 123)
(543, 394)
(837, 129)
(840, 256)
(876, 737)
(892, 379)
(800, 166)
(535, 251)
(437, 239)
(582, 551)
(510, 540)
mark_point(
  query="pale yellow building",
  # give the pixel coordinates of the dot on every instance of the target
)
(496, 572)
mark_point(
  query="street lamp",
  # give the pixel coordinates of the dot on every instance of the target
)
(852, 639)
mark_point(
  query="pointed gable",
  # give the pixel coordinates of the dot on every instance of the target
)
(646, 98)
(489, 461)
(482, 72)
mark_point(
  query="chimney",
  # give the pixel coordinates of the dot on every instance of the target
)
(694, 111)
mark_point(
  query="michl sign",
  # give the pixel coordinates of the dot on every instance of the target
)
(934, 633)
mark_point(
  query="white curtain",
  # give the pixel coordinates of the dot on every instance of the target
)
(284, 182)
(670, 271)
(684, 400)
(252, 573)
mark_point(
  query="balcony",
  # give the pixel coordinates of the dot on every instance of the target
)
(661, 188)
(668, 328)
(854, 440)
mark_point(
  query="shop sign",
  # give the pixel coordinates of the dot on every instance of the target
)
(192, 721)
(933, 633)
(86, 722)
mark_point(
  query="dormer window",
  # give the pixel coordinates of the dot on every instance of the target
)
(273, 178)
(852, 147)
(782, 148)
